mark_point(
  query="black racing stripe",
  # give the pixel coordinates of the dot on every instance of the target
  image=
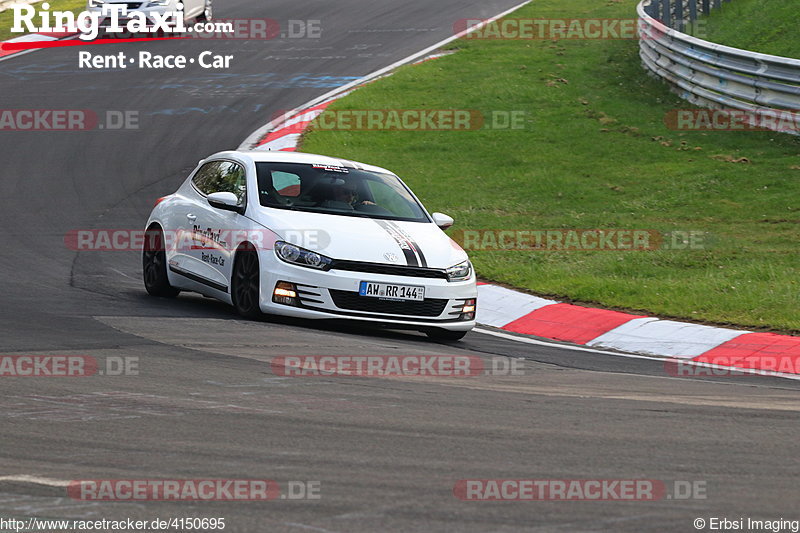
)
(414, 246)
(402, 242)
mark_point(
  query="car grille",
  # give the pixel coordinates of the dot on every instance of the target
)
(391, 270)
(134, 5)
(354, 302)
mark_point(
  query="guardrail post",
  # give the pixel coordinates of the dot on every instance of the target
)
(666, 13)
(693, 10)
(706, 7)
(677, 15)
(656, 7)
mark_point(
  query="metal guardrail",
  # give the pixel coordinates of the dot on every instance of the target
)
(713, 75)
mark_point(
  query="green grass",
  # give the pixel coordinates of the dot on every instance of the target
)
(595, 154)
(766, 26)
(7, 16)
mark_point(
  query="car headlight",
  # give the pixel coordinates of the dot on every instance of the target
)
(158, 3)
(459, 272)
(295, 255)
(96, 3)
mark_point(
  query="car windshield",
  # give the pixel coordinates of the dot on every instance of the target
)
(336, 191)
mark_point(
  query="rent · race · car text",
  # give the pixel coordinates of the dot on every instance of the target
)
(148, 60)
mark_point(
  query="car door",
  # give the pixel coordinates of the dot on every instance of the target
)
(211, 254)
(181, 226)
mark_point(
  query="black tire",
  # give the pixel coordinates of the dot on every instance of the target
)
(439, 334)
(246, 284)
(154, 265)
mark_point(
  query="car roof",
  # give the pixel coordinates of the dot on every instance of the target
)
(264, 156)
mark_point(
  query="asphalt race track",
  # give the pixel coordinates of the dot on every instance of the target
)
(386, 453)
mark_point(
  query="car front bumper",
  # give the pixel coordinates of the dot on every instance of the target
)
(334, 295)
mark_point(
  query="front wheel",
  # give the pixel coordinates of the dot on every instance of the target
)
(439, 334)
(245, 287)
(154, 265)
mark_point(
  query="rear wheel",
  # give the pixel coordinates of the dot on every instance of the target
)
(439, 334)
(246, 283)
(154, 265)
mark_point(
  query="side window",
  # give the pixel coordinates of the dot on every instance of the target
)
(207, 177)
(221, 176)
(233, 180)
(285, 183)
(278, 187)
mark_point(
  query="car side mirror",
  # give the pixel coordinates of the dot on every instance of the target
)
(442, 220)
(225, 200)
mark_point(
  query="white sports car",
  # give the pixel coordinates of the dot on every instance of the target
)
(310, 236)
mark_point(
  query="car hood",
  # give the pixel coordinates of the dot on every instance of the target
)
(365, 239)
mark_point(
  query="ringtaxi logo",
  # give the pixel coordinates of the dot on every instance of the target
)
(636, 490)
(125, 19)
(387, 366)
(27, 19)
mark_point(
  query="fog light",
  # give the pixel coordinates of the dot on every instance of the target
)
(285, 293)
(468, 310)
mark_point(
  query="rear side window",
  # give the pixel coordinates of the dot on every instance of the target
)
(221, 176)
(286, 184)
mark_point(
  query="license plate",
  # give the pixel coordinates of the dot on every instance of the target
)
(391, 291)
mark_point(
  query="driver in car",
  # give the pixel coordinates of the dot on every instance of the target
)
(348, 195)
